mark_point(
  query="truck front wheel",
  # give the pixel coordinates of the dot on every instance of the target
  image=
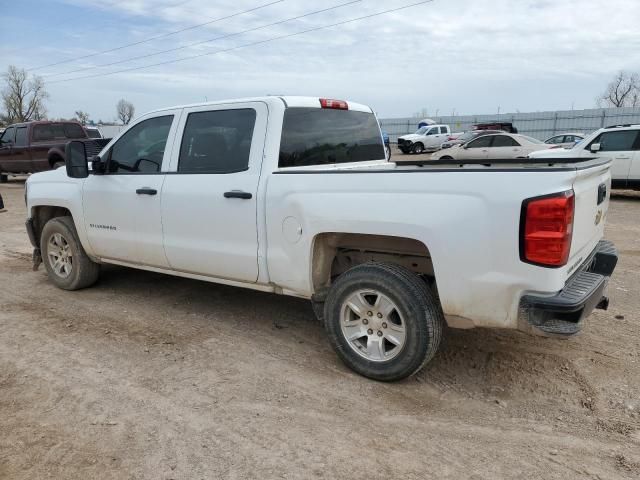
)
(67, 264)
(383, 321)
(418, 148)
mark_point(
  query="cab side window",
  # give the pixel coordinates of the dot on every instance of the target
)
(217, 141)
(141, 149)
(504, 141)
(434, 131)
(622, 141)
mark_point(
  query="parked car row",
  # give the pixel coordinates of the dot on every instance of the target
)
(495, 146)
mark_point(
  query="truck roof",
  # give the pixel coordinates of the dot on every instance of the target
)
(42, 122)
(288, 101)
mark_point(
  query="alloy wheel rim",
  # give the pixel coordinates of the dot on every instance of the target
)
(59, 255)
(372, 325)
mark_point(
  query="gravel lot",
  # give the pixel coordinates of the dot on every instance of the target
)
(149, 376)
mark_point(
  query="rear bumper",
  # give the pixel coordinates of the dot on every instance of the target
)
(563, 314)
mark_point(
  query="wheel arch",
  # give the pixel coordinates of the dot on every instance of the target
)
(55, 155)
(334, 253)
(41, 214)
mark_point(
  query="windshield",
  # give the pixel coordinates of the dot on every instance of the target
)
(465, 137)
(422, 130)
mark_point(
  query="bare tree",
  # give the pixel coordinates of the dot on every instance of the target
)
(623, 91)
(82, 117)
(23, 97)
(126, 111)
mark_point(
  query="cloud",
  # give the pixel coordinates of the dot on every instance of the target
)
(471, 55)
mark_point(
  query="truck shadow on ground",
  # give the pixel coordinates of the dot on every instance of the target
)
(487, 365)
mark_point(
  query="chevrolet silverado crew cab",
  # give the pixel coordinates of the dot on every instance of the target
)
(293, 195)
(618, 144)
(426, 139)
(37, 146)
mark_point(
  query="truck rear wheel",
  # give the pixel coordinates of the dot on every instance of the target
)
(67, 264)
(383, 321)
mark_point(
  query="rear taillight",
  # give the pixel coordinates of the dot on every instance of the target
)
(334, 104)
(546, 229)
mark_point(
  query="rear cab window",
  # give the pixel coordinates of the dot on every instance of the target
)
(321, 136)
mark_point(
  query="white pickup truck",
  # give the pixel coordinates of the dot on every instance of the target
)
(426, 139)
(293, 195)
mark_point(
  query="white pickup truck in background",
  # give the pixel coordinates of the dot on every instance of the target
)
(426, 139)
(293, 195)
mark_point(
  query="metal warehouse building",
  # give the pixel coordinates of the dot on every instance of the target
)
(541, 125)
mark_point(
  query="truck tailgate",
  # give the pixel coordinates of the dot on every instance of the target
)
(592, 188)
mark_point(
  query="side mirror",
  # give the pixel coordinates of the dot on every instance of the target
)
(596, 147)
(76, 160)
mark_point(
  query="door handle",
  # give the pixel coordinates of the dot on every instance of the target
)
(238, 194)
(146, 191)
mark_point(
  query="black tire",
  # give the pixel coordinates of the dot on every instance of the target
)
(446, 157)
(388, 151)
(83, 272)
(4, 178)
(420, 311)
(418, 148)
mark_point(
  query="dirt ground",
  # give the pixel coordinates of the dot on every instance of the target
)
(147, 376)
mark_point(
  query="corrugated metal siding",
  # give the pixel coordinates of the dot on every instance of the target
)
(541, 125)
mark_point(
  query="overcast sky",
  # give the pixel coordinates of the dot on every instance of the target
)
(471, 56)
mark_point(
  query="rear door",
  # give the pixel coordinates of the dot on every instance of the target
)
(504, 147)
(20, 156)
(209, 204)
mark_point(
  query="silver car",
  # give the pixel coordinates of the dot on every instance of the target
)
(565, 140)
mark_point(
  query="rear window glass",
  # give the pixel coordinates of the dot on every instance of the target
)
(314, 136)
(57, 131)
(93, 133)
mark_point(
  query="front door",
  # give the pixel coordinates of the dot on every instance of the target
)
(617, 145)
(6, 145)
(122, 206)
(20, 154)
(209, 205)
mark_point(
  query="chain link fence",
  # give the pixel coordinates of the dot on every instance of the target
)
(540, 125)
